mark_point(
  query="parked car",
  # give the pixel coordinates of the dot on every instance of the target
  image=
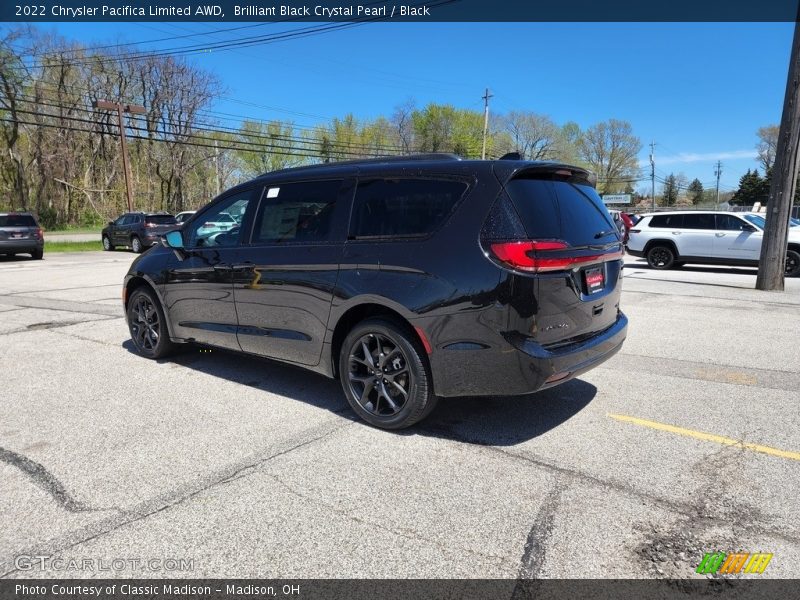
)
(21, 234)
(138, 230)
(672, 239)
(408, 279)
(184, 216)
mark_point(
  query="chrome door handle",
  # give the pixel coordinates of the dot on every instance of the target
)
(719, 234)
(676, 233)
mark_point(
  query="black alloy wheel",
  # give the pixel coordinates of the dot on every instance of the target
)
(147, 325)
(792, 268)
(660, 257)
(384, 375)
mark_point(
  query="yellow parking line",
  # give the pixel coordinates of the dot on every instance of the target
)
(708, 437)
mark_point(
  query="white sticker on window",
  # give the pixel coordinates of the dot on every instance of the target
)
(273, 192)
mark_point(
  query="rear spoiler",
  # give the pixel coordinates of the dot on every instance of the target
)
(511, 169)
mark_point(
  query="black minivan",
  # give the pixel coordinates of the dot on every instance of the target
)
(407, 278)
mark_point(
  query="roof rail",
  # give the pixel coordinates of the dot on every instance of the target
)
(370, 161)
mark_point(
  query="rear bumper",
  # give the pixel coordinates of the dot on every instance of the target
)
(523, 366)
(20, 245)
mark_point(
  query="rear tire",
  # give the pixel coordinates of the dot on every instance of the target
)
(107, 245)
(660, 257)
(792, 268)
(148, 325)
(384, 374)
(37, 254)
(136, 245)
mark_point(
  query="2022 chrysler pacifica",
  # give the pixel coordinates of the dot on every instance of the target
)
(406, 278)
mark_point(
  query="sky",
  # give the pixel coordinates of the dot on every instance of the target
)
(698, 90)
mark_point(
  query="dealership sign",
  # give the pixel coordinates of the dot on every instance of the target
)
(617, 198)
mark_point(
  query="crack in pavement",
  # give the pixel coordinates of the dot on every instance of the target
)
(166, 501)
(409, 534)
(535, 551)
(682, 508)
(45, 480)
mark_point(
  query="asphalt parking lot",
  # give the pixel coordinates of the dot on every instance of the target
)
(686, 442)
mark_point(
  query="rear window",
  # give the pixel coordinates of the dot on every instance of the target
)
(562, 209)
(667, 221)
(17, 221)
(161, 219)
(403, 207)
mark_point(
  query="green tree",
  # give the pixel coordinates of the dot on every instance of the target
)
(611, 150)
(695, 190)
(751, 187)
(670, 193)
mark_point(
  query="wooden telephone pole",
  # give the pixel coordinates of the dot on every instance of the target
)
(771, 265)
(129, 108)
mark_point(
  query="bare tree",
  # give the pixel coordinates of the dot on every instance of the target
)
(403, 125)
(533, 136)
(767, 145)
(611, 149)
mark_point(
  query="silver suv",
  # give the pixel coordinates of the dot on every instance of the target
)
(671, 239)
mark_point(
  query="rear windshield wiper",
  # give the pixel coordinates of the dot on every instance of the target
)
(597, 236)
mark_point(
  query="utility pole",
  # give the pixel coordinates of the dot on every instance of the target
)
(718, 173)
(653, 172)
(486, 97)
(772, 262)
(129, 108)
(216, 164)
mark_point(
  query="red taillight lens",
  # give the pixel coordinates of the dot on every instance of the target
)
(534, 256)
(39, 234)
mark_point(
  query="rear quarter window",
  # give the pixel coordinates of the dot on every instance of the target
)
(386, 208)
(666, 221)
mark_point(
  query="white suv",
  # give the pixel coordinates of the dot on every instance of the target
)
(671, 239)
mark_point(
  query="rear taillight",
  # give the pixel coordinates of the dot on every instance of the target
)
(38, 234)
(538, 256)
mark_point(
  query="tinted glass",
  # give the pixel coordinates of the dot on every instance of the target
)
(699, 221)
(208, 231)
(667, 221)
(297, 212)
(17, 221)
(564, 210)
(730, 223)
(756, 220)
(161, 219)
(403, 207)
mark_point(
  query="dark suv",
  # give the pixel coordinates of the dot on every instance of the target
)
(408, 279)
(21, 234)
(138, 230)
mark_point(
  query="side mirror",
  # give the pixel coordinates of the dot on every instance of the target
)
(174, 240)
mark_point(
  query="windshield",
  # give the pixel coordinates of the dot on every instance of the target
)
(756, 220)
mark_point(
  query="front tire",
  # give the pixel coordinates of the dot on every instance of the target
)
(148, 325)
(384, 374)
(660, 257)
(107, 245)
(136, 245)
(792, 268)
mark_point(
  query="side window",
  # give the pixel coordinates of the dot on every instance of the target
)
(221, 225)
(730, 223)
(403, 207)
(667, 221)
(296, 212)
(121, 220)
(698, 221)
